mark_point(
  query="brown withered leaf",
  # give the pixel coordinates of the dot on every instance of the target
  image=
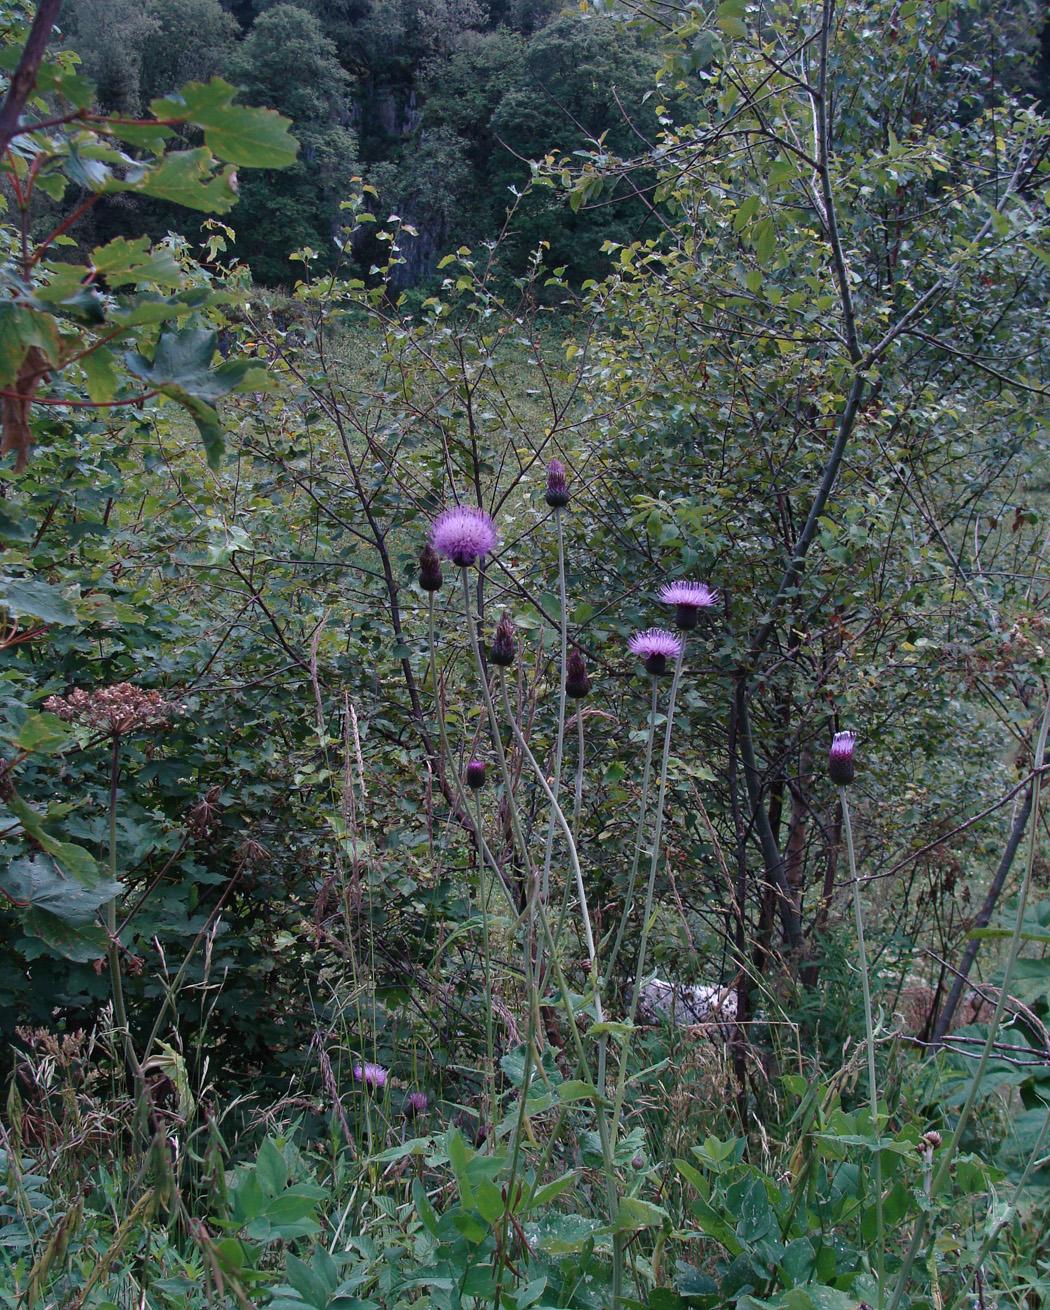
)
(14, 413)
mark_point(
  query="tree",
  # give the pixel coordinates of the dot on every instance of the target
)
(189, 40)
(287, 61)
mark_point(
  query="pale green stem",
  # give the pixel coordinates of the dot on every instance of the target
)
(632, 880)
(654, 860)
(559, 744)
(869, 1028)
(501, 756)
(484, 886)
(639, 836)
(120, 1015)
(574, 859)
(948, 1154)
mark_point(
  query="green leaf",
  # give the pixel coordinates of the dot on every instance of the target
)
(310, 1286)
(634, 1213)
(35, 882)
(271, 1169)
(131, 263)
(42, 733)
(252, 138)
(78, 942)
(42, 600)
(187, 178)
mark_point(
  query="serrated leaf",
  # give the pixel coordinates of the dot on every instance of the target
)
(41, 600)
(251, 138)
(42, 733)
(35, 882)
(187, 178)
(78, 942)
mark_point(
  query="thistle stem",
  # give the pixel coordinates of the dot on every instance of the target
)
(133, 1070)
(643, 808)
(869, 1028)
(654, 860)
(559, 744)
(484, 886)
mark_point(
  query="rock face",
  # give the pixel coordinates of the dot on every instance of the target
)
(688, 1005)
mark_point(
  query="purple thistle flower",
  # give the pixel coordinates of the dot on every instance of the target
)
(430, 578)
(840, 758)
(557, 485)
(372, 1076)
(504, 644)
(463, 534)
(476, 774)
(688, 598)
(577, 681)
(655, 646)
(416, 1103)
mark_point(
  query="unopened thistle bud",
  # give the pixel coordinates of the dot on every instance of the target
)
(430, 578)
(557, 485)
(577, 683)
(504, 644)
(476, 774)
(840, 758)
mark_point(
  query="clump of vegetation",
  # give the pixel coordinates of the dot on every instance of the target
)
(527, 794)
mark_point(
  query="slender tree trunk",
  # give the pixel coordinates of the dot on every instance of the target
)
(984, 914)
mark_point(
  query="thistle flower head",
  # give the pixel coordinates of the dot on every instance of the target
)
(463, 534)
(476, 774)
(654, 647)
(430, 578)
(504, 644)
(557, 485)
(577, 681)
(416, 1103)
(115, 710)
(371, 1076)
(840, 758)
(688, 598)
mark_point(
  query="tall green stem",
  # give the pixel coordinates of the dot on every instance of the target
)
(619, 1245)
(559, 744)
(948, 1154)
(869, 1028)
(133, 1070)
(490, 1046)
(639, 836)
(501, 756)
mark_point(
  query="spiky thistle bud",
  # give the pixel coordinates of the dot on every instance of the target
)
(557, 495)
(416, 1103)
(475, 774)
(577, 682)
(430, 577)
(504, 644)
(840, 758)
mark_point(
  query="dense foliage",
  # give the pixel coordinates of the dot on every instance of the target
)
(296, 1015)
